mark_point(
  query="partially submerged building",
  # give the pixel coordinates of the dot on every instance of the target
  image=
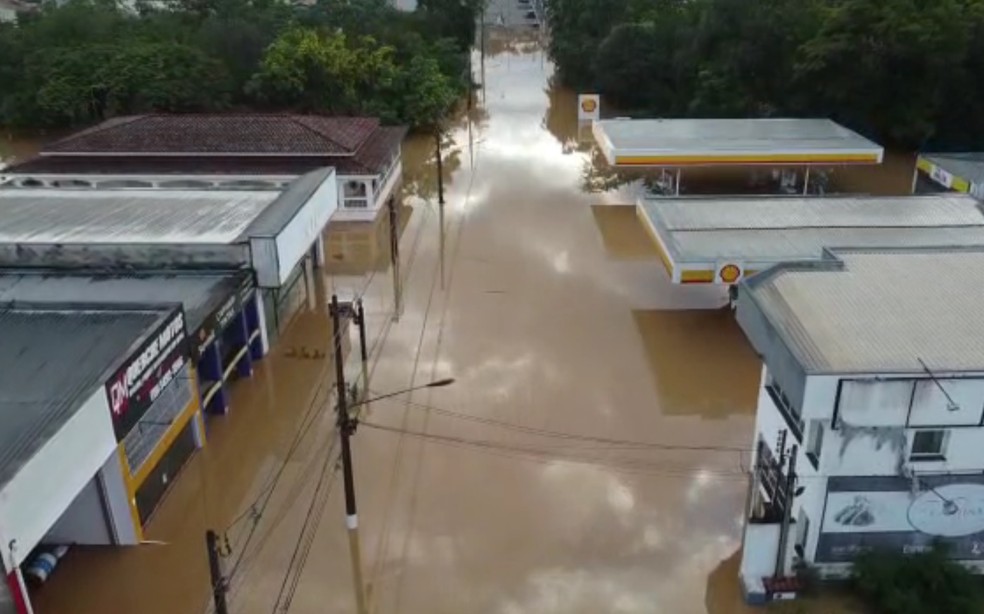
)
(275, 234)
(724, 240)
(869, 423)
(778, 155)
(237, 151)
(99, 410)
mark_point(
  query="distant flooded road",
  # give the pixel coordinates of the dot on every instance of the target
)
(590, 457)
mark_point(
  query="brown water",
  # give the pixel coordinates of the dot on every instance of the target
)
(554, 316)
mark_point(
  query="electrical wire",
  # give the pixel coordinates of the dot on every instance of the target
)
(523, 451)
(305, 538)
(620, 443)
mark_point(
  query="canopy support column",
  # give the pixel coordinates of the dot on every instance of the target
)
(677, 182)
(806, 182)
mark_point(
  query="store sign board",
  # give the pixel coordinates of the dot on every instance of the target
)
(588, 107)
(146, 373)
(897, 516)
(214, 324)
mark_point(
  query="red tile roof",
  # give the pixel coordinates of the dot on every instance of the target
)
(231, 134)
(370, 159)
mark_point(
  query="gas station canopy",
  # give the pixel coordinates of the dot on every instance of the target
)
(960, 172)
(721, 241)
(677, 143)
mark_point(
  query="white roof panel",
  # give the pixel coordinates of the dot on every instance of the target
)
(61, 215)
(804, 140)
(883, 312)
(782, 229)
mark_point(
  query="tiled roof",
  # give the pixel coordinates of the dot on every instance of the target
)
(370, 158)
(233, 134)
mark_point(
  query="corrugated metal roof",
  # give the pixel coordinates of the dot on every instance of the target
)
(881, 313)
(128, 216)
(200, 294)
(710, 136)
(781, 229)
(968, 165)
(50, 362)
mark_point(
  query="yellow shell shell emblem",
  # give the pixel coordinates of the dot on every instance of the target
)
(588, 105)
(730, 273)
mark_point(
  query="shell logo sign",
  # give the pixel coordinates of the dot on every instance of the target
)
(588, 107)
(729, 273)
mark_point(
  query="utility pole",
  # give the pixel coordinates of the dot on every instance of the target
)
(219, 586)
(787, 512)
(440, 166)
(394, 223)
(346, 427)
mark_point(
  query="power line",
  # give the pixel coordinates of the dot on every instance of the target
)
(302, 546)
(532, 452)
(621, 443)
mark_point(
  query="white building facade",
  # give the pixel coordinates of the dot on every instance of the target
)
(870, 423)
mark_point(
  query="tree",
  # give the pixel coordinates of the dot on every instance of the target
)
(914, 584)
(309, 70)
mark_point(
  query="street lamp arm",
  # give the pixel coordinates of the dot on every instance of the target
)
(441, 383)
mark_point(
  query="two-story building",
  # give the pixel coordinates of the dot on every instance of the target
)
(238, 151)
(870, 420)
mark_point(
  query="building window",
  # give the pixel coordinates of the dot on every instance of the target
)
(355, 189)
(789, 411)
(814, 443)
(928, 445)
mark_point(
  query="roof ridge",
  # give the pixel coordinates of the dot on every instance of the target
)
(113, 122)
(300, 121)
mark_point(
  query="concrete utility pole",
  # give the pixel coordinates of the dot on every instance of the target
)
(219, 586)
(346, 427)
(394, 223)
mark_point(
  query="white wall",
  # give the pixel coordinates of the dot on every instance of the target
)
(45, 486)
(274, 258)
(115, 496)
(819, 397)
(84, 522)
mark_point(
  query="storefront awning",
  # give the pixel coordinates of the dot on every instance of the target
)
(721, 241)
(732, 142)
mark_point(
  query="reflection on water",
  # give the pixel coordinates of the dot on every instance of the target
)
(700, 362)
(624, 236)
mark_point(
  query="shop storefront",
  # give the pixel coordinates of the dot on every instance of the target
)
(156, 419)
(227, 343)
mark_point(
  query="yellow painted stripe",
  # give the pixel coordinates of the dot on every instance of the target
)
(131, 492)
(747, 159)
(749, 273)
(663, 256)
(957, 184)
(696, 277)
(165, 442)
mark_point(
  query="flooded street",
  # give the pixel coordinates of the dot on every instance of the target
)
(591, 456)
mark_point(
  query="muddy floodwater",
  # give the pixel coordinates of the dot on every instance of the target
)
(590, 457)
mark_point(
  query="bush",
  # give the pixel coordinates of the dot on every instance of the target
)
(916, 584)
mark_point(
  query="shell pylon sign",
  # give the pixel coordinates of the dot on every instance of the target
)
(588, 107)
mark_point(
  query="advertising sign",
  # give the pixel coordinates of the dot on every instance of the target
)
(214, 324)
(588, 107)
(903, 516)
(147, 372)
